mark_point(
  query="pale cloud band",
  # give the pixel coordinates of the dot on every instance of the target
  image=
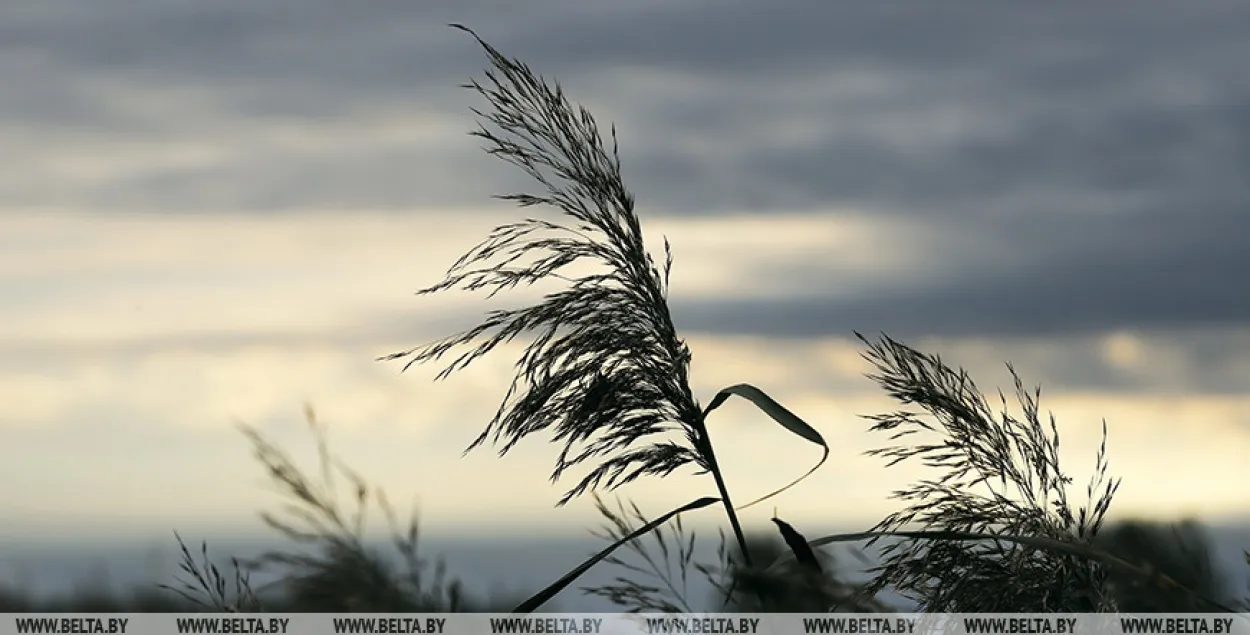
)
(155, 353)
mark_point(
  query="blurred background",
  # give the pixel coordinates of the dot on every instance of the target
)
(215, 214)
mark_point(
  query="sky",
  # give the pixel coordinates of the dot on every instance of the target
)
(217, 213)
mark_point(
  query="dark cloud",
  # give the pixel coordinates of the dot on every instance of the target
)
(1199, 288)
(1166, 267)
(1097, 154)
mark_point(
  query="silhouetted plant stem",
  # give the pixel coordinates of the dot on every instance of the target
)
(705, 446)
(606, 371)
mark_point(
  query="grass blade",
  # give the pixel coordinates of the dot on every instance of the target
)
(798, 545)
(540, 598)
(781, 415)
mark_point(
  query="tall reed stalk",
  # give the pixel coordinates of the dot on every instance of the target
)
(605, 370)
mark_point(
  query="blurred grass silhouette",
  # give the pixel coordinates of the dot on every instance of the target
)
(329, 566)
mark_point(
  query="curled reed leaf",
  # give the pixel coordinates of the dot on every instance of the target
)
(782, 416)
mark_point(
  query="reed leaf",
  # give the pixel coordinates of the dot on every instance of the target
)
(540, 598)
(799, 547)
(782, 416)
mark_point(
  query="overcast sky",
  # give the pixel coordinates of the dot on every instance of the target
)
(216, 213)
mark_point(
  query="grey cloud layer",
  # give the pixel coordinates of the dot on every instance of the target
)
(1096, 155)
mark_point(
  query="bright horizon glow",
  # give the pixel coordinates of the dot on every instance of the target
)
(122, 402)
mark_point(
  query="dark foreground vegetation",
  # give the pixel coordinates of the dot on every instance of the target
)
(342, 574)
(995, 528)
(1155, 542)
(330, 568)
